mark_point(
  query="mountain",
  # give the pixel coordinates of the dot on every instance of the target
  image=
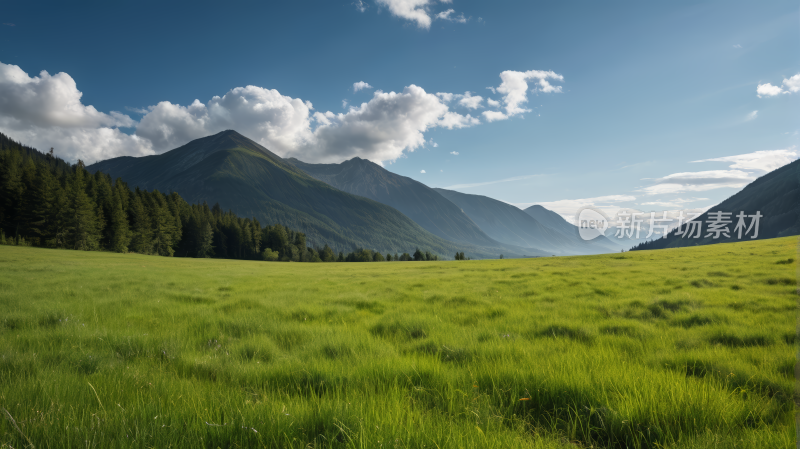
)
(508, 224)
(776, 196)
(241, 175)
(556, 222)
(417, 201)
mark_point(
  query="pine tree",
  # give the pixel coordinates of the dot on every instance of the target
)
(206, 249)
(83, 232)
(120, 235)
(141, 241)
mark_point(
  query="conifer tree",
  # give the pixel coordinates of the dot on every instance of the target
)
(119, 230)
(206, 249)
(82, 217)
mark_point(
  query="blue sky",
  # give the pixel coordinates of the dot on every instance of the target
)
(633, 92)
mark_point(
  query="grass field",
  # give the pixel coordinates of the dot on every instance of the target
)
(683, 348)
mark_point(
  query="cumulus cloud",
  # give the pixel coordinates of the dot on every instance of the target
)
(768, 90)
(418, 11)
(278, 122)
(360, 5)
(792, 84)
(454, 153)
(413, 10)
(448, 15)
(361, 85)
(492, 116)
(422, 171)
(46, 111)
(470, 101)
(493, 103)
(789, 86)
(514, 89)
(751, 116)
(381, 129)
(446, 97)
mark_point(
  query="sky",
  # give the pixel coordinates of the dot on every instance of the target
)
(645, 106)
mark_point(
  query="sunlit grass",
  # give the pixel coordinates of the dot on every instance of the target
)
(680, 348)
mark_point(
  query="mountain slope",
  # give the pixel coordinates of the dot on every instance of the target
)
(556, 222)
(508, 224)
(241, 175)
(417, 201)
(775, 195)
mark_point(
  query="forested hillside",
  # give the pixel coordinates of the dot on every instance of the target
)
(44, 201)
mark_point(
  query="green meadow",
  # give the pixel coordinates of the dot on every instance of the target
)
(676, 348)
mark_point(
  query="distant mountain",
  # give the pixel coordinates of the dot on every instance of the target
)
(776, 196)
(417, 201)
(508, 224)
(241, 175)
(556, 222)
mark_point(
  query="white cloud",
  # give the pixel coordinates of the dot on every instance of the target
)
(492, 116)
(276, 121)
(515, 90)
(608, 204)
(737, 46)
(448, 15)
(360, 5)
(751, 116)
(361, 85)
(47, 100)
(452, 120)
(446, 97)
(413, 10)
(699, 181)
(469, 101)
(418, 11)
(675, 202)
(765, 161)
(46, 111)
(740, 173)
(493, 103)
(454, 153)
(382, 129)
(790, 85)
(422, 171)
(768, 90)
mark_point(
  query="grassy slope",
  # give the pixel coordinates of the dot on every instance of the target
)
(689, 347)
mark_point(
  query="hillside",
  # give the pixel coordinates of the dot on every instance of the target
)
(775, 195)
(557, 223)
(509, 224)
(417, 201)
(241, 175)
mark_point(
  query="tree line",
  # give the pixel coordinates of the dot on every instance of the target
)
(46, 202)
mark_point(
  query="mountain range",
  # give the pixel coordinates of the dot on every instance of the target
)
(241, 175)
